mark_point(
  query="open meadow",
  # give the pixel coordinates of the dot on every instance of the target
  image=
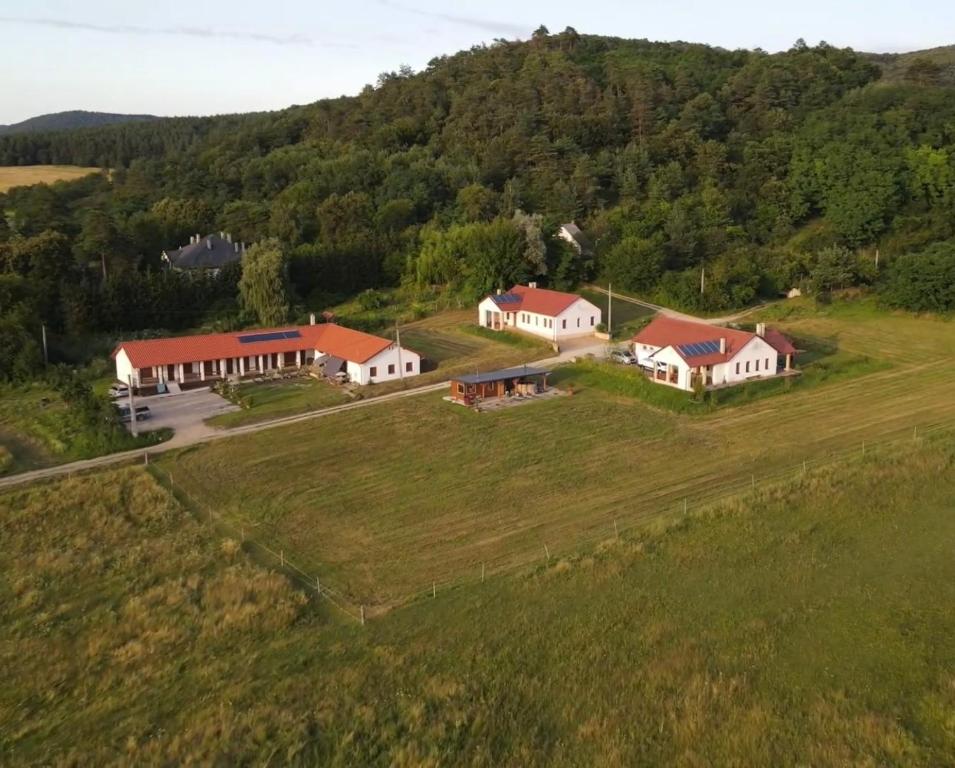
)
(382, 503)
(810, 623)
(27, 175)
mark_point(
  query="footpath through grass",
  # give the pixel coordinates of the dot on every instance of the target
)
(810, 624)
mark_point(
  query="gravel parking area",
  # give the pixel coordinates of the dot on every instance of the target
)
(185, 413)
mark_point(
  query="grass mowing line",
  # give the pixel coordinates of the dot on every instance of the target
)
(615, 527)
(259, 552)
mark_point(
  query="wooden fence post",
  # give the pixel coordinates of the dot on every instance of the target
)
(363, 615)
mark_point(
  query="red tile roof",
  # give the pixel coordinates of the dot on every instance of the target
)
(541, 301)
(779, 342)
(328, 338)
(666, 331)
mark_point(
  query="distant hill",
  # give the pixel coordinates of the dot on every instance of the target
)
(65, 121)
(933, 66)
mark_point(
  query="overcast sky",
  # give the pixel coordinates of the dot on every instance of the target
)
(213, 56)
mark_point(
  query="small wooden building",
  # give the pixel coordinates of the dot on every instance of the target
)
(510, 382)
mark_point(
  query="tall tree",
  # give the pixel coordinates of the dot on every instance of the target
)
(264, 286)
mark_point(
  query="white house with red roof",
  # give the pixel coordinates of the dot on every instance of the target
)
(552, 315)
(196, 360)
(679, 352)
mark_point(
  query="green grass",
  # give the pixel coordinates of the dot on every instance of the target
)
(284, 397)
(628, 317)
(39, 430)
(449, 343)
(383, 501)
(811, 623)
(819, 362)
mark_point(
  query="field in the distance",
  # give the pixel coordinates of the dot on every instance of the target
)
(382, 502)
(809, 625)
(26, 175)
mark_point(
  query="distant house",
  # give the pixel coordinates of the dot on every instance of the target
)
(197, 360)
(470, 389)
(210, 253)
(573, 235)
(552, 315)
(681, 352)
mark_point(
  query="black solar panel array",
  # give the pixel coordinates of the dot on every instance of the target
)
(700, 348)
(506, 298)
(252, 338)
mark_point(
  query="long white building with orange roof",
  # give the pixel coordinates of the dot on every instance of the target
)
(151, 364)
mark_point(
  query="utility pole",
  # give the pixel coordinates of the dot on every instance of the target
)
(102, 261)
(401, 368)
(610, 310)
(46, 356)
(876, 259)
(134, 428)
(702, 278)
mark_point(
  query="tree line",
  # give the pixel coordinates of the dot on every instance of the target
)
(756, 172)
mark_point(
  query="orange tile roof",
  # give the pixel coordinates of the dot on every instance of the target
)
(664, 331)
(779, 342)
(541, 301)
(328, 338)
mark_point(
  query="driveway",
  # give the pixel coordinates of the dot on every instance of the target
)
(185, 413)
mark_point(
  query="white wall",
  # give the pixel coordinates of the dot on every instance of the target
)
(361, 373)
(755, 351)
(670, 356)
(577, 318)
(642, 352)
(124, 368)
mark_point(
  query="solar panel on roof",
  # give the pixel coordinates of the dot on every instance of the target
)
(506, 298)
(253, 338)
(699, 348)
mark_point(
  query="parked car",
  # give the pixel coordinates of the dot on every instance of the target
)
(623, 356)
(142, 413)
(118, 390)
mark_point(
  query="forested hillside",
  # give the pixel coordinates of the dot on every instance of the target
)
(766, 171)
(71, 120)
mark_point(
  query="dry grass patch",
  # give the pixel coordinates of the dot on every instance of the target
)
(27, 175)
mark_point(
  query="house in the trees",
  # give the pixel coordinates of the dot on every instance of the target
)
(192, 361)
(551, 315)
(523, 381)
(681, 353)
(573, 235)
(210, 253)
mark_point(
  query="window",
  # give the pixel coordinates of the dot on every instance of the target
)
(409, 367)
(373, 371)
(747, 366)
(578, 322)
(563, 324)
(757, 365)
(767, 363)
(460, 388)
(391, 368)
(591, 319)
(737, 369)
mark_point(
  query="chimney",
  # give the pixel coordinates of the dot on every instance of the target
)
(311, 318)
(209, 243)
(236, 246)
(761, 329)
(198, 237)
(532, 285)
(190, 239)
(228, 237)
(499, 291)
(723, 345)
(221, 235)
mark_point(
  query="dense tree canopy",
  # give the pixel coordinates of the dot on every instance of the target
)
(677, 159)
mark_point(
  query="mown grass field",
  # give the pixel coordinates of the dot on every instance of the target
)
(627, 316)
(807, 624)
(383, 502)
(27, 175)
